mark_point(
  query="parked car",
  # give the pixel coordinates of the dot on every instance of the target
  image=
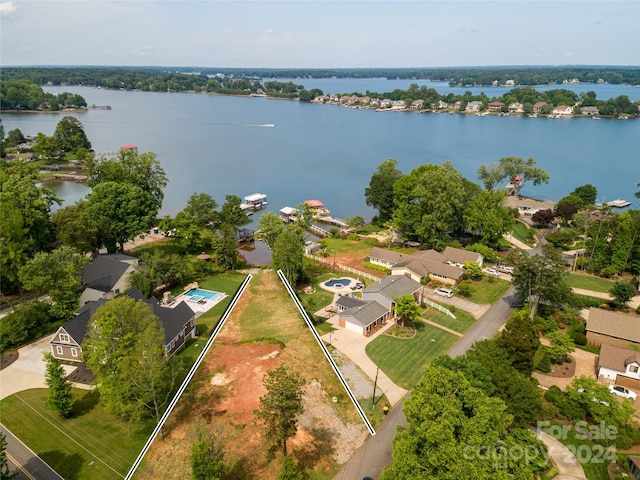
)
(443, 292)
(491, 271)
(619, 391)
(594, 399)
(505, 269)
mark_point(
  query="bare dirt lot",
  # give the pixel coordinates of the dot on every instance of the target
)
(228, 385)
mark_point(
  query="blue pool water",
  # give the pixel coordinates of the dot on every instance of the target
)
(199, 293)
(341, 281)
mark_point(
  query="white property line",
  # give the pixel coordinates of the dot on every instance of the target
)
(326, 353)
(189, 375)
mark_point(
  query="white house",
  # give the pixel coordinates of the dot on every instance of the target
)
(619, 365)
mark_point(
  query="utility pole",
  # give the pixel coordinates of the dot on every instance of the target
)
(375, 383)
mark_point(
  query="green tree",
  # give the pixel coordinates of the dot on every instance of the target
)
(202, 208)
(126, 210)
(539, 278)
(288, 253)
(75, 228)
(5, 473)
(58, 274)
(406, 309)
(207, 458)
(355, 222)
(224, 246)
(46, 147)
(429, 203)
(142, 170)
(516, 170)
(124, 349)
(474, 270)
(622, 292)
(270, 226)
(289, 469)
(231, 214)
(14, 138)
(380, 192)
(70, 136)
(454, 431)
(587, 193)
(159, 268)
(279, 408)
(27, 321)
(560, 347)
(521, 340)
(60, 398)
(486, 216)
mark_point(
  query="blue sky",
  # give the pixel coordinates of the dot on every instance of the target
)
(339, 34)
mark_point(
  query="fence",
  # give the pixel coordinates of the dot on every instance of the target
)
(342, 267)
(439, 307)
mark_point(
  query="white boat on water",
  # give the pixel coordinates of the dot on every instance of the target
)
(252, 202)
(618, 203)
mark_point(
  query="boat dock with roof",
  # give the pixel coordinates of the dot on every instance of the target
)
(254, 202)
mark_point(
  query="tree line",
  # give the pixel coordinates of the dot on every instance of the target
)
(22, 94)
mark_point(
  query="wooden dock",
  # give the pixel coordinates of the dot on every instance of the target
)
(319, 231)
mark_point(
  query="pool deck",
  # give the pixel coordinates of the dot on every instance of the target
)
(202, 305)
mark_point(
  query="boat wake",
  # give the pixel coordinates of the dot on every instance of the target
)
(269, 125)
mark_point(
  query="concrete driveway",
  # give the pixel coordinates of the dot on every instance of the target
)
(353, 345)
(29, 369)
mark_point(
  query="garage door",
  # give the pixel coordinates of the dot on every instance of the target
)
(632, 383)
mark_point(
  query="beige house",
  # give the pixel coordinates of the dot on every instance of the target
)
(495, 106)
(620, 366)
(516, 108)
(562, 110)
(611, 328)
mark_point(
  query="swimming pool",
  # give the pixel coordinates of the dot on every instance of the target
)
(197, 294)
(340, 282)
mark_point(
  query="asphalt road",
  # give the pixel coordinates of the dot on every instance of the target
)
(375, 453)
(26, 463)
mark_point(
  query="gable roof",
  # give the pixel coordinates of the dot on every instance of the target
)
(393, 286)
(172, 320)
(366, 313)
(386, 255)
(617, 358)
(348, 302)
(432, 255)
(618, 325)
(106, 270)
(423, 267)
(457, 255)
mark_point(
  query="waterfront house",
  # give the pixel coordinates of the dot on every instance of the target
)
(516, 107)
(473, 106)
(538, 107)
(106, 276)
(589, 111)
(27, 157)
(619, 365)
(420, 268)
(363, 317)
(442, 104)
(612, 328)
(177, 321)
(417, 104)
(562, 110)
(495, 106)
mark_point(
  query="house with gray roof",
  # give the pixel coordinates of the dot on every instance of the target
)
(106, 276)
(612, 328)
(364, 317)
(177, 322)
(620, 366)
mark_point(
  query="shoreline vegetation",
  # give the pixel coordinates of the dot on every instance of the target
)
(21, 89)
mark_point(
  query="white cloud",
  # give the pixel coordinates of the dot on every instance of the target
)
(142, 52)
(7, 9)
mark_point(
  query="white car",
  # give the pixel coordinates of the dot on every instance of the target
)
(492, 271)
(443, 292)
(619, 391)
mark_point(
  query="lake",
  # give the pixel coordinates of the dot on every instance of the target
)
(295, 151)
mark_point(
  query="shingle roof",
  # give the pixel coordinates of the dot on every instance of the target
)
(386, 255)
(394, 285)
(366, 313)
(458, 255)
(348, 302)
(619, 325)
(423, 267)
(617, 358)
(105, 270)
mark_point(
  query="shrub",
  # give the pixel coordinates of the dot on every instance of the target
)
(544, 365)
(554, 394)
(549, 325)
(579, 338)
(371, 241)
(465, 289)
(354, 236)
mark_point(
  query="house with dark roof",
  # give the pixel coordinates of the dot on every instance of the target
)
(619, 365)
(377, 305)
(635, 467)
(177, 321)
(106, 276)
(612, 328)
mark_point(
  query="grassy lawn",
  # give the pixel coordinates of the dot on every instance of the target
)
(91, 445)
(460, 324)
(523, 233)
(404, 360)
(593, 460)
(589, 282)
(488, 290)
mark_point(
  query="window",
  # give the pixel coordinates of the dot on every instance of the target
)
(116, 291)
(74, 352)
(633, 368)
(64, 338)
(59, 350)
